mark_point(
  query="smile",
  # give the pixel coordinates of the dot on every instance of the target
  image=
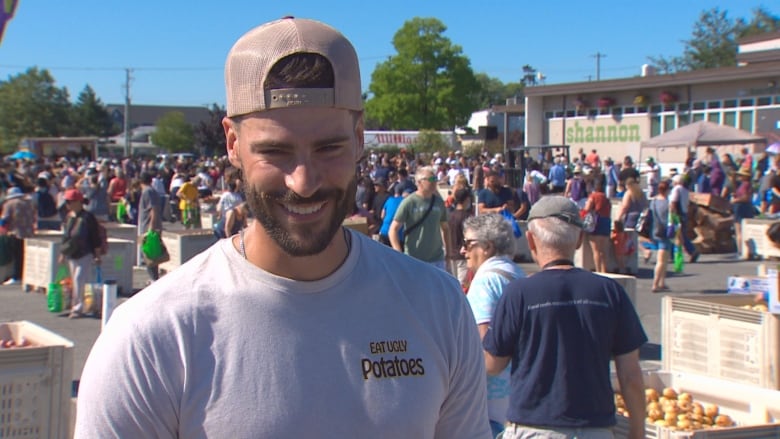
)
(303, 210)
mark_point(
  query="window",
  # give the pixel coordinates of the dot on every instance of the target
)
(656, 109)
(617, 111)
(593, 112)
(683, 119)
(766, 100)
(629, 110)
(731, 103)
(698, 116)
(655, 126)
(746, 121)
(713, 104)
(683, 107)
(670, 122)
(571, 113)
(730, 118)
(548, 115)
(698, 105)
(746, 102)
(559, 113)
(641, 109)
(713, 117)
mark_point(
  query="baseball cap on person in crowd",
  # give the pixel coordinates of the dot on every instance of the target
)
(556, 206)
(256, 52)
(73, 195)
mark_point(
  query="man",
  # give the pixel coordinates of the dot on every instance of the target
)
(653, 173)
(463, 209)
(149, 218)
(557, 177)
(297, 327)
(560, 328)
(627, 170)
(423, 217)
(495, 197)
(18, 218)
(377, 204)
(679, 204)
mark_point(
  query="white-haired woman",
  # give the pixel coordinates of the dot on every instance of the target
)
(488, 246)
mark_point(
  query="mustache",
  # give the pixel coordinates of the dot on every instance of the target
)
(290, 197)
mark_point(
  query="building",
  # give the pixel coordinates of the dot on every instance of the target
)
(615, 116)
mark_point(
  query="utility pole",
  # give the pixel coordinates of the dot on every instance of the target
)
(128, 140)
(598, 57)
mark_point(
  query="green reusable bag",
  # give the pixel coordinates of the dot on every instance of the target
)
(152, 245)
(121, 212)
(678, 259)
(54, 291)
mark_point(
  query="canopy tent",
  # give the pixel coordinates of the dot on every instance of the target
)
(700, 134)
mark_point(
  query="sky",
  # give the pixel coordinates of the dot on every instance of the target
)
(177, 48)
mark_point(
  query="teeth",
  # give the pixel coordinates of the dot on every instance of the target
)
(303, 210)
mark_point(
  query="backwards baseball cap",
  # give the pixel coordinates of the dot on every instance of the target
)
(556, 206)
(73, 195)
(256, 52)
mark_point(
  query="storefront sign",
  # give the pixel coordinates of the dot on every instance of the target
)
(602, 134)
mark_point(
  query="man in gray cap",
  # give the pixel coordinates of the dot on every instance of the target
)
(296, 327)
(561, 327)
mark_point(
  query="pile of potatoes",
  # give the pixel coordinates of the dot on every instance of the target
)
(758, 306)
(678, 411)
(11, 343)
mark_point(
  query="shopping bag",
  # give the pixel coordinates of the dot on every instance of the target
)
(55, 301)
(515, 227)
(121, 212)
(153, 249)
(93, 294)
(678, 259)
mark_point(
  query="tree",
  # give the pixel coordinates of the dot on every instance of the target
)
(209, 134)
(713, 42)
(90, 117)
(427, 84)
(32, 106)
(529, 75)
(173, 133)
(429, 141)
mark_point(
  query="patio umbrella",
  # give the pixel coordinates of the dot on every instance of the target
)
(773, 148)
(22, 155)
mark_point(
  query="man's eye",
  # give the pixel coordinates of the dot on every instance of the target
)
(329, 148)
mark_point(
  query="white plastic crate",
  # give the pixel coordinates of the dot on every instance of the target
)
(182, 245)
(713, 336)
(35, 383)
(40, 262)
(756, 411)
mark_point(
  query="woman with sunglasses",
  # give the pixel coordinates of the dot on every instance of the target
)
(488, 246)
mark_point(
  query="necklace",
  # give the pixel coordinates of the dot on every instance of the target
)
(242, 246)
(556, 262)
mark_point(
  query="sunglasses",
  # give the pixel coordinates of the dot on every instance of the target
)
(432, 179)
(469, 243)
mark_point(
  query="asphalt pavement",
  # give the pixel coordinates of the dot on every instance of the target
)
(707, 276)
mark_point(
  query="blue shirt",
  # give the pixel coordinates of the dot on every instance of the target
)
(557, 176)
(491, 199)
(561, 328)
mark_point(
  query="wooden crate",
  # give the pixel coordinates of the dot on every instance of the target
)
(40, 262)
(756, 411)
(712, 202)
(357, 223)
(713, 336)
(35, 383)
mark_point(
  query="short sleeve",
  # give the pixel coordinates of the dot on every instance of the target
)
(504, 330)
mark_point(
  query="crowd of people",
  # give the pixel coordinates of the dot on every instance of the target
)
(338, 335)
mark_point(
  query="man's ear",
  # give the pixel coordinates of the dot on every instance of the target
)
(531, 240)
(231, 141)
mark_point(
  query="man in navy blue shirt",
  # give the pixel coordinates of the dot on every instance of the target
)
(495, 197)
(561, 327)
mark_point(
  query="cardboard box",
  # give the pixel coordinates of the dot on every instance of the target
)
(747, 285)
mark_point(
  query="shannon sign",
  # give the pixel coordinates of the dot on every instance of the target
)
(602, 134)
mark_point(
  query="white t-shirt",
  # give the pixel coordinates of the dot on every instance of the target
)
(385, 346)
(680, 193)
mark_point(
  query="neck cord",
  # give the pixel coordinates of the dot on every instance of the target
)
(242, 247)
(557, 262)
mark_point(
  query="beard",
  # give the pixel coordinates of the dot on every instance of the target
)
(298, 239)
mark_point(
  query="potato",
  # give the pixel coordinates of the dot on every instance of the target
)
(670, 393)
(724, 421)
(655, 414)
(651, 395)
(711, 410)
